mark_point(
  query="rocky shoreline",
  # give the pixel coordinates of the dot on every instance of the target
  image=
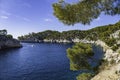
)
(6, 43)
(113, 71)
(58, 41)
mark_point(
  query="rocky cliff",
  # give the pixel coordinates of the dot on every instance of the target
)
(6, 42)
(112, 72)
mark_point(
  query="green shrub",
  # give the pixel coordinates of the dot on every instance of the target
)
(110, 41)
(114, 48)
(84, 76)
(9, 36)
(119, 51)
(78, 56)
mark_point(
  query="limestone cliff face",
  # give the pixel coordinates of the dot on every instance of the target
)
(115, 34)
(59, 40)
(109, 55)
(9, 43)
(113, 72)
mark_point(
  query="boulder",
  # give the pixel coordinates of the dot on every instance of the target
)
(9, 43)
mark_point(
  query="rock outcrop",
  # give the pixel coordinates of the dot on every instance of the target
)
(8, 42)
(116, 34)
(59, 40)
(109, 55)
(113, 72)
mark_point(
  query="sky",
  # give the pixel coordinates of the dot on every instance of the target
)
(21, 17)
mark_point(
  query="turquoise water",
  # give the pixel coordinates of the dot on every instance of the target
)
(36, 61)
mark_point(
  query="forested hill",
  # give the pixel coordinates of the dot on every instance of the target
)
(102, 32)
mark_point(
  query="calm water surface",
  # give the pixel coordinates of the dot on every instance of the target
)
(36, 61)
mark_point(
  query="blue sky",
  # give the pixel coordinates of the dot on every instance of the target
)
(21, 17)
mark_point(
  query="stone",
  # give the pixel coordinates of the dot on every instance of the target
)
(9, 43)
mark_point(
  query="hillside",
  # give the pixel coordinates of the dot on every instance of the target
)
(101, 32)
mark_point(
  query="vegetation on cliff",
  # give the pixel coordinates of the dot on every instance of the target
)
(102, 32)
(82, 57)
(85, 76)
(79, 55)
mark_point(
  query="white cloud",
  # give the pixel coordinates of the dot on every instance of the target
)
(48, 20)
(4, 17)
(5, 12)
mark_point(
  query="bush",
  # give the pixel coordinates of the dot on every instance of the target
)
(85, 76)
(110, 42)
(119, 51)
(115, 47)
(78, 56)
(9, 36)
